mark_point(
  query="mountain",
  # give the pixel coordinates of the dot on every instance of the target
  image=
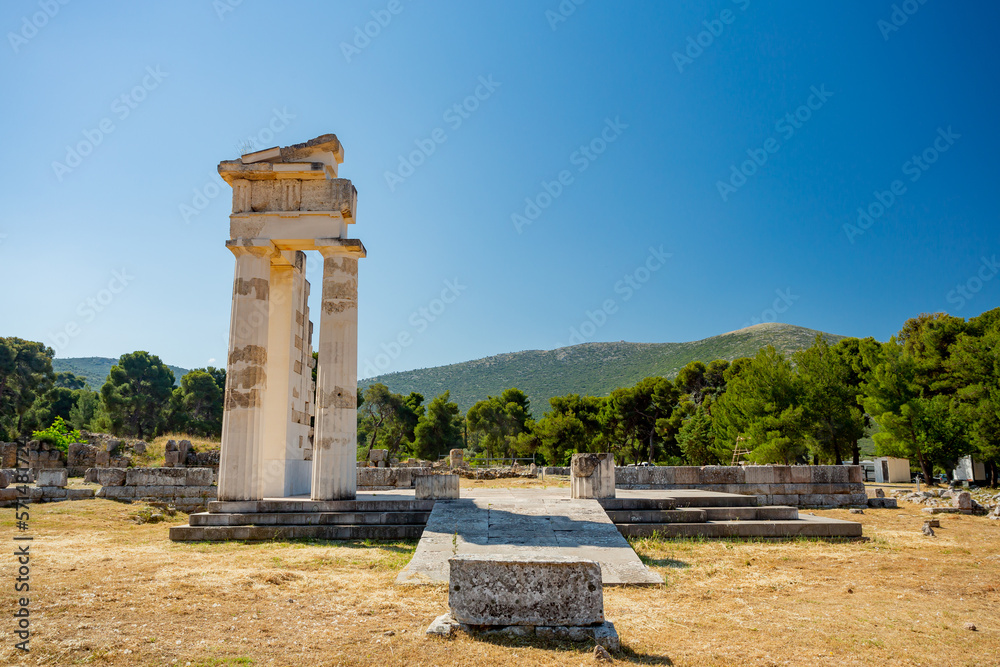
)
(590, 368)
(95, 369)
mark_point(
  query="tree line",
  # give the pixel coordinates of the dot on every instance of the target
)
(930, 394)
(138, 398)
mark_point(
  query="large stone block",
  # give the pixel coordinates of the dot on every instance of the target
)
(105, 476)
(198, 477)
(801, 475)
(822, 474)
(155, 477)
(56, 477)
(782, 474)
(840, 474)
(855, 474)
(722, 475)
(687, 475)
(592, 476)
(436, 487)
(758, 474)
(625, 476)
(525, 590)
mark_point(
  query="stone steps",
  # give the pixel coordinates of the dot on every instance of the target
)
(811, 527)
(703, 514)
(305, 505)
(293, 532)
(289, 519)
(715, 515)
(310, 518)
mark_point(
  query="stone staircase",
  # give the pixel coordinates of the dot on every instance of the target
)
(714, 515)
(285, 519)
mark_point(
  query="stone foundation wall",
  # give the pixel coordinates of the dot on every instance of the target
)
(799, 486)
(377, 479)
(187, 489)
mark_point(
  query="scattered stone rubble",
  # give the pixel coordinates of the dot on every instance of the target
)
(954, 501)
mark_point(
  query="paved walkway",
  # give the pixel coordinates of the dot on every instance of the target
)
(535, 522)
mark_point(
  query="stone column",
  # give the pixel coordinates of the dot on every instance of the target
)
(334, 474)
(277, 398)
(246, 379)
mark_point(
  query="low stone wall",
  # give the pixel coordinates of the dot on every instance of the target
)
(51, 487)
(798, 486)
(187, 489)
(379, 479)
(554, 470)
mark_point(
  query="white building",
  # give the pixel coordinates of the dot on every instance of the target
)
(889, 470)
(969, 470)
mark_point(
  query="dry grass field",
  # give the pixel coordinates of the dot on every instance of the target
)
(108, 591)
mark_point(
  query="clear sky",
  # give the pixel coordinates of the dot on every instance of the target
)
(529, 174)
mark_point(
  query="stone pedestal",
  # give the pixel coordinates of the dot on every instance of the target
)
(456, 458)
(592, 476)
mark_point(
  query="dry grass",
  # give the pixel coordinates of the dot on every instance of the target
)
(106, 591)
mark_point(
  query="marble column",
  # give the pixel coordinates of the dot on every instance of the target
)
(246, 378)
(334, 474)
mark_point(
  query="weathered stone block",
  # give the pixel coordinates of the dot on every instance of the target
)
(525, 590)
(592, 476)
(687, 475)
(155, 477)
(436, 487)
(377, 455)
(782, 474)
(721, 475)
(822, 474)
(106, 476)
(758, 474)
(855, 475)
(198, 476)
(840, 474)
(963, 501)
(624, 475)
(801, 475)
(55, 477)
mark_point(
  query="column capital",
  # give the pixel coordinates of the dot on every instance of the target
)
(337, 247)
(255, 247)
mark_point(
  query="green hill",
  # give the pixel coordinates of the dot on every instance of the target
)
(591, 368)
(95, 369)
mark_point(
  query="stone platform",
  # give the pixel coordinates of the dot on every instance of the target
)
(523, 522)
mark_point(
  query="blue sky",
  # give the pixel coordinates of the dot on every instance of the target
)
(641, 171)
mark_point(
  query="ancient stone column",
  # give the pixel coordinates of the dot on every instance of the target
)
(246, 379)
(334, 475)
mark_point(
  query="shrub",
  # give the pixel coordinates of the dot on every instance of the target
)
(58, 435)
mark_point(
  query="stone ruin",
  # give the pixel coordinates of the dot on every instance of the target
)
(286, 201)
